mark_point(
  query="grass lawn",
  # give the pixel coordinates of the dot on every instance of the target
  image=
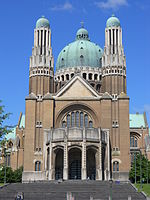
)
(1, 184)
(145, 188)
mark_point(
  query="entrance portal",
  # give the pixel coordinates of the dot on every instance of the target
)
(75, 163)
(59, 164)
(91, 164)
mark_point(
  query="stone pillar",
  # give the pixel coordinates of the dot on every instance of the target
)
(83, 161)
(84, 156)
(107, 169)
(99, 170)
(50, 174)
(65, 170)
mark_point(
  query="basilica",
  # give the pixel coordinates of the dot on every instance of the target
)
(77, 123)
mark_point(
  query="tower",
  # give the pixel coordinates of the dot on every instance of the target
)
(39, 101)
(41, 62)
(113, 61)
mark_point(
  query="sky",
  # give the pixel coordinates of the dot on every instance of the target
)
(18, 19)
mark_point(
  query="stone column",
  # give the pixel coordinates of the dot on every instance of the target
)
(50, 174)
(84, 156)
(99, 170)
(108, 153)
(107, 169)
(65, 170)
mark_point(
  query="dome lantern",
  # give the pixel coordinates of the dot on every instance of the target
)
(42, 22)
(113, 22)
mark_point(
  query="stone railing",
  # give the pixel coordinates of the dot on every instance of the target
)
(76, 134)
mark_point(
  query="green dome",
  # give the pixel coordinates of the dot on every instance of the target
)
(81, 52)
(42, 22)
(112, 21)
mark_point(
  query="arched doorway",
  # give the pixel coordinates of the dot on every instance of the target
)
(59, 164)
(74, 163)
(91, 163)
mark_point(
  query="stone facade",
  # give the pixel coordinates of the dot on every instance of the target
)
(76, 120)
(54, 147)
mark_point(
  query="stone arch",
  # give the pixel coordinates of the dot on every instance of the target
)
(136, 134)
(75, 146)
(74, 163)
(92, 162)
(76, 106)
(58, 162)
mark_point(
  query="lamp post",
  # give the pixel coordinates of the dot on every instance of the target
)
(135, 165)
(147, 167)
(5, 164)
(140, 171)
(110, 181)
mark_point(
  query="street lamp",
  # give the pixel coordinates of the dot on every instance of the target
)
(140, 171)
(135, 165)
(5, 164)
(110, 181)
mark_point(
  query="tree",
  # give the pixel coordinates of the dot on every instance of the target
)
(11, 176)
(4, 129)
(145, 166)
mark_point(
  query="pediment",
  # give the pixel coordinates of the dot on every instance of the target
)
(77, 88)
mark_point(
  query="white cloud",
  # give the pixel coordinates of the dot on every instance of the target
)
(63, 7)
(111, 4)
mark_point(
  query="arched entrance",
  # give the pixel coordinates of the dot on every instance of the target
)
(59, 164)
(91, 163)
(74, 163)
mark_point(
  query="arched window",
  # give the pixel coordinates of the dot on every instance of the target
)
(62, 77)
(77, 119)
(68, 120)
(63, 124)
(84, 76)
(72, 75)
(81, 119)
(90, 124)
(90, 76)
(86, 120)
(95, 77)
(67, 77)
(116, 166)
(98, 87)
(38, 166)
(100, 77)
(93, 85)
(133, 141)
(72, 119)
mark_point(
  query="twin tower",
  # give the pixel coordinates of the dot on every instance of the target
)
(76, 57)
(77, 120)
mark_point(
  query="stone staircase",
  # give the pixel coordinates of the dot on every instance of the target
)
(81, 190)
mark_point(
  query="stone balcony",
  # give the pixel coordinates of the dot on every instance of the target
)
(76, 134)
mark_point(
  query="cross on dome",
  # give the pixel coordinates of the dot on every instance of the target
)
(82, 24)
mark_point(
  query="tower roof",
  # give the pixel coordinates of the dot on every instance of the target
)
(113, 21)
(42, 22)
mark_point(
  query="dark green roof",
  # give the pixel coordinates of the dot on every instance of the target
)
(81, 52)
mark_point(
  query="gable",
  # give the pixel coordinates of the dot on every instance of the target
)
(77, 88)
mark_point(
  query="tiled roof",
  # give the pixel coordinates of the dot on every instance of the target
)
(11, 135)
(137, 120)
(22, 122)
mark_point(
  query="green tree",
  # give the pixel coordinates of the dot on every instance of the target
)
(4, 129)
(11, 176)
(145, 167)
